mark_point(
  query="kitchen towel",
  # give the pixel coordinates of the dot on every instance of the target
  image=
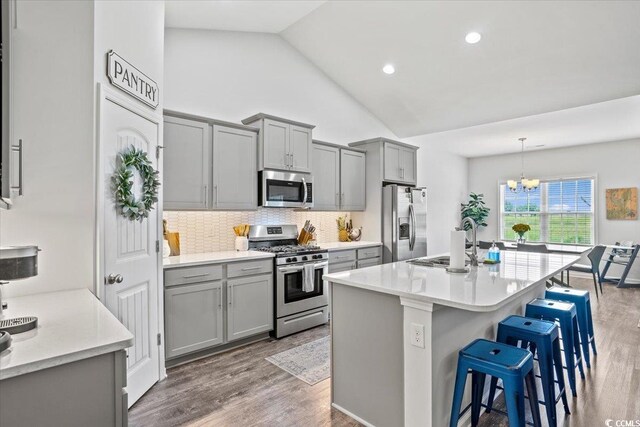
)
(307, 280)
(457, 249)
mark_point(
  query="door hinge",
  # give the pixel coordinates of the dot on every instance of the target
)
(159, 339)
(157, 246)
(158, 148)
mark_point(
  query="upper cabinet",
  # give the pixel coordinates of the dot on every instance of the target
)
(282, 144)
(352, 180)
(399, 163)
(187, 164)
(338, 178)
(11, 155)
(208, 164)
(398, 160)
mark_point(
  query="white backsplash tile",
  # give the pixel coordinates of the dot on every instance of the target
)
(205, 231)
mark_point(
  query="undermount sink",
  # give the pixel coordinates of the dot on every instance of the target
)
(441, 261)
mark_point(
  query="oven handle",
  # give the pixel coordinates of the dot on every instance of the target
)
(300, 268)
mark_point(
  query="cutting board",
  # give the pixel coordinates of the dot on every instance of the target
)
(174, 242)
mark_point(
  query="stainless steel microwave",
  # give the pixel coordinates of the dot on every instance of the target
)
(285, 190)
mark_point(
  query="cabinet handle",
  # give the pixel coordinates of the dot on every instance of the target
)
(338, 199)
(230, 294)
(215, 189)
(206, 197)
(251, 268)
(191, 276)
(220, 298)
(21, 171)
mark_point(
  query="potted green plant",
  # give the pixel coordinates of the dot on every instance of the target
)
(520, 230)
(475, 209)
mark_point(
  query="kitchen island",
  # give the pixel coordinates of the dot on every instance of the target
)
(396, 330)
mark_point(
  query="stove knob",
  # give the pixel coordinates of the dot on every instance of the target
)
(317, 256)
(288, 260)
(304, 258)
(294, 259)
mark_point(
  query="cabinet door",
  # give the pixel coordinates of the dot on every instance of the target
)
(275, 145)
(408, 165)
(352, 180)
(326, 177)
(193, 317)
(392, 162)
(369, 262)
(187, 164)
(249, 306)
(300, 148)
(234, 168)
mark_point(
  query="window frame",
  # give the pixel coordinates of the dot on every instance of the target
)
(544, 214)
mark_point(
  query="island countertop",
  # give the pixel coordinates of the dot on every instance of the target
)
(484, 288)
(72, 325)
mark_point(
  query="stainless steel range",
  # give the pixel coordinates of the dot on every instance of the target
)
(301, 300)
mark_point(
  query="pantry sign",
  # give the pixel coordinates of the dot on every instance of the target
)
(128, 78)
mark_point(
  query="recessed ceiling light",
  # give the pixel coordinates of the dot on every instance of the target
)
(473, 37)
(389, 69)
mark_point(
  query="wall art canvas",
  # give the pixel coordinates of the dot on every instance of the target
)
(622, 203)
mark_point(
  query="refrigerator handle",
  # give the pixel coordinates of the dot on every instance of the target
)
(412, 216)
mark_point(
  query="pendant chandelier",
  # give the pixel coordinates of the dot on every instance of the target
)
(525, 184)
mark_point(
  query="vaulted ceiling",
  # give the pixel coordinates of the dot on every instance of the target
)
(535, 60)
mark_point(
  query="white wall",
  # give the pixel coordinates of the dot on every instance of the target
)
(231, 76)
(616, 164)
(53, 115)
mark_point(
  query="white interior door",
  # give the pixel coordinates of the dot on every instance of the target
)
(129, 247)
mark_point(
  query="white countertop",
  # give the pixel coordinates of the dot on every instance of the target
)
(72, 325)
(340, 246)
(212, 258)
(484, 288)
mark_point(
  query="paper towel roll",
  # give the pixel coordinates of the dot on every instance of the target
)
(457, 249)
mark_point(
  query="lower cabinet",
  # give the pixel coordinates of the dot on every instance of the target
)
(249, 306)
(369, 262)
(337, 267)
(193, 317)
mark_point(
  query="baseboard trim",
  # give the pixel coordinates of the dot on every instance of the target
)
(354, 416)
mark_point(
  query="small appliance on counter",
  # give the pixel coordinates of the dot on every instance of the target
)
(16, 262)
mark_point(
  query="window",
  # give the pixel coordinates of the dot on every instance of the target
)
(558, 211)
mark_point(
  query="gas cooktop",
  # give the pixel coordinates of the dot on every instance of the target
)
(289, 249)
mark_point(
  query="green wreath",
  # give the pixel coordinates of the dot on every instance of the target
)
(131, 208)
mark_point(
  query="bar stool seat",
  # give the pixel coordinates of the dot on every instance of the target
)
(511, 364)
(542, 336)
(565, 314)
(582, 300)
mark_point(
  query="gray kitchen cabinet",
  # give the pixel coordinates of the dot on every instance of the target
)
(352, 180)
(369, 262)
(326, 177)
(193, 317)
(11, 154)
(234, 168)
(339, 178)
(282, 143)
(249, 306)
(337, 267)
(399, 163)
(187, 164)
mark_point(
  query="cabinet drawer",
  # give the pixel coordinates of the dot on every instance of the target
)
(237, 269)
(369, 252)
(342, 256)
(181, 276)
(337, 267)
(369, 262)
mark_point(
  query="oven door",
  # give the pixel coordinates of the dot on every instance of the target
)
(286, 190)
(290, 298)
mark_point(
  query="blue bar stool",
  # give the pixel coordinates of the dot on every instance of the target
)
(511, 364)
(543, 337)
(582, 301)
(565, 313)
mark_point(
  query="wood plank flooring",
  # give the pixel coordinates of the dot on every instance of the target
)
(240, 388)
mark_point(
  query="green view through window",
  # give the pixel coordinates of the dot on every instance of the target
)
(558, 211)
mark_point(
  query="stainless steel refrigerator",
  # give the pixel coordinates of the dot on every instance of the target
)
(404, 222)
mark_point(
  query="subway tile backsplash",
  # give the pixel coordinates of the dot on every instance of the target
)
(208, 231)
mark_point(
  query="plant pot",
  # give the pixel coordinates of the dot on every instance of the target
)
(521, 239)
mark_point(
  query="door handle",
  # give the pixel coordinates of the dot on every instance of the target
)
(412, 215)
(306, 192)
(114, 278)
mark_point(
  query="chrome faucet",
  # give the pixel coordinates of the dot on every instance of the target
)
(473, 256)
